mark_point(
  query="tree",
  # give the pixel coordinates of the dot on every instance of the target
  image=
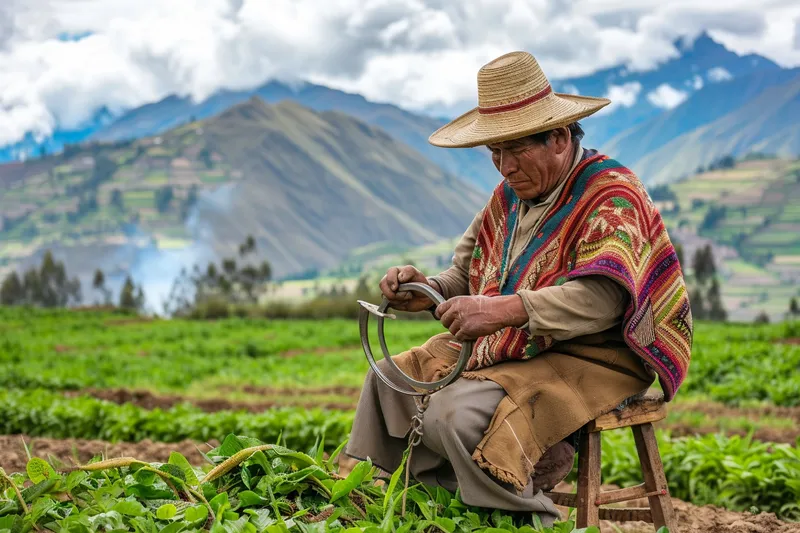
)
(11, 291)
(713, 217)
(794, 308)
(679, 253)
(163, 198)
(205, 157)
(129, 297)
(247, 246)
(99, 284)
(231, 282)
(716, 310)
(189, 202)
(45, 286)
(698, 305)
(762, 318)
(117, 200)
(703, 264)
(54, 289)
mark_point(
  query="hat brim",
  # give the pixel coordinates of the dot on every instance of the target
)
(554, 111)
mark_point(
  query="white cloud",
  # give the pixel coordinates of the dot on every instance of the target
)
(696, 82)
(665, 96)
(568, 88)
(416, 53)
(624, 95)
(718, 74)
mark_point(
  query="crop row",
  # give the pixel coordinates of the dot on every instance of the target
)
(73, 350)
(252, 488)
(732, 472)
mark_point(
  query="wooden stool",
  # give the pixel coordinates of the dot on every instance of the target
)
(639, 415)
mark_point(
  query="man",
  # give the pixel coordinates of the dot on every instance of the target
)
(569, 286)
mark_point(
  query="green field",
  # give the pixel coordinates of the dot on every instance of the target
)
(118, 377)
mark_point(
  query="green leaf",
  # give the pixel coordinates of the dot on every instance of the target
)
(220, 503)
(38, 470)
(147, 492)
(174, 471)
(174, 527)
(248, 498)
(335, 454)
(129, 508)
(74, 479)
(343, 487)
(145, 477)
(260, 518)
(230, 446)
(196, 515)
(180, 461)
(393, 482)
(166, 511)
(41, 507)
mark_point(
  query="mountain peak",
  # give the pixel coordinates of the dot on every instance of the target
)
(702, 43)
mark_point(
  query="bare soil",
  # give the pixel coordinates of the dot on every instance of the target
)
(697, 519)
(13, 457)
(715, 410)
(765, 434)
(148, 400)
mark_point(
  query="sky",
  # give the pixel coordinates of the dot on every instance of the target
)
(60, 60)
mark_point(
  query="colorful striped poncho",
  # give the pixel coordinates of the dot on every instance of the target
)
(603, 223)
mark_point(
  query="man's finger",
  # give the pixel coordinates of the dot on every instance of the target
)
(449, 316)
(385, 289)
(391, 277)
(442, 308)
(455, 328)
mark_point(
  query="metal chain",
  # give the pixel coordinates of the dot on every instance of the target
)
(414, 438)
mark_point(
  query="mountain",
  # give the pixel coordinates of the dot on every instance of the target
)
(172, 111)
(31, 147)
(309, 186)
(766, 123)
(748, 212)
(700, 63)
(316, 185)
(701, 108)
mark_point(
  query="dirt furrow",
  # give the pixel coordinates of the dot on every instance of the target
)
(78, 451)
(148, 400)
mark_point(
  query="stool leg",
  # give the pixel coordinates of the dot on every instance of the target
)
(654, 478)
(588, 480)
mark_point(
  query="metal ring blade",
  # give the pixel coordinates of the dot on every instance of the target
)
(466, 347)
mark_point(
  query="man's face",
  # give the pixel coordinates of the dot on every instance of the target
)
(532, 169)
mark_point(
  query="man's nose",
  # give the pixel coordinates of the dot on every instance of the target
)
(508, 164)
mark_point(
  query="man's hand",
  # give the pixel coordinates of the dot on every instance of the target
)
(405, 300)
(470, 317)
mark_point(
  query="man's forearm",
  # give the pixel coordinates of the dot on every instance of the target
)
(511, 311)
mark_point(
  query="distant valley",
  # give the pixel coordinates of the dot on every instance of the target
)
(308, 186)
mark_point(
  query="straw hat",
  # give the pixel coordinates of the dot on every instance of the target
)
(515, 99)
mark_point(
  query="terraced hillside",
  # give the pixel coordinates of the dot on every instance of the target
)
(308, 186)
(751, 215)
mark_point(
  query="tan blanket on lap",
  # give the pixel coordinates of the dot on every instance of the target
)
(548, 397)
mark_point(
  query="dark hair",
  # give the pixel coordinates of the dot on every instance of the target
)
(575, 131)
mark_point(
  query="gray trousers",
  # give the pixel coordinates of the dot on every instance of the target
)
(454, 424)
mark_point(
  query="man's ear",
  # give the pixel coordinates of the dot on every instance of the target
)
(560, 139)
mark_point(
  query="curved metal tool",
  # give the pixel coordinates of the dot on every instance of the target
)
(380, 312)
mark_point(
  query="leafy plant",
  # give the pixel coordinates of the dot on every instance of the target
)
(248, 487)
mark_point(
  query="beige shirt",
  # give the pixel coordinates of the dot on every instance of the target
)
(578, 307)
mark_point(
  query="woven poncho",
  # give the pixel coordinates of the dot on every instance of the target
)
(603, 223)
